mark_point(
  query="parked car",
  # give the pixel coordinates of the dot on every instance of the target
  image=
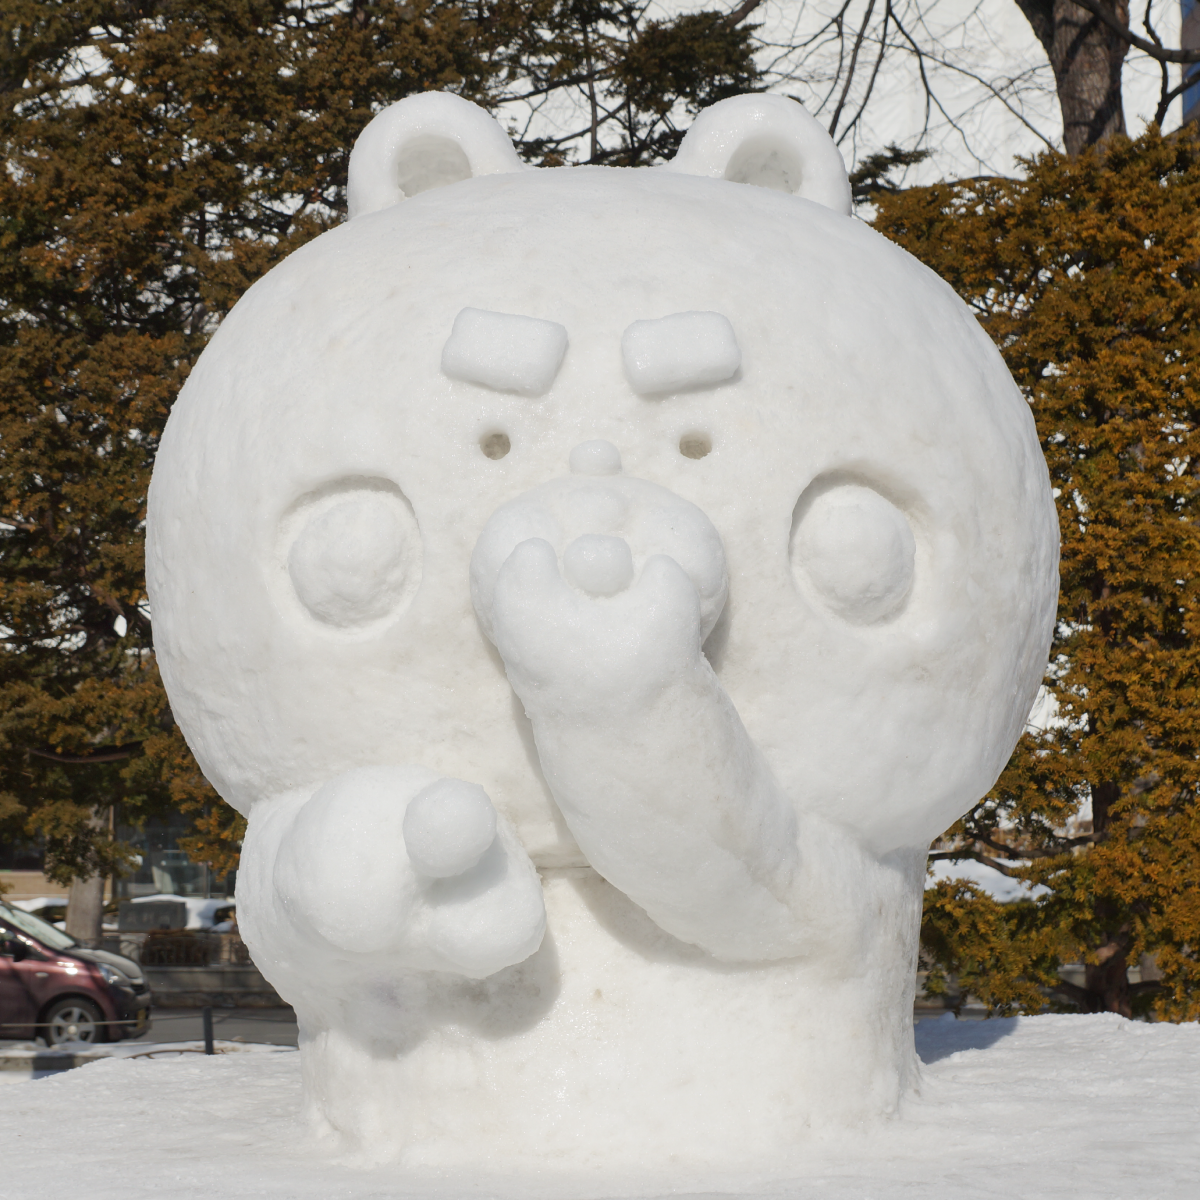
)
(202, 912)
(54, 910)
(54, 988)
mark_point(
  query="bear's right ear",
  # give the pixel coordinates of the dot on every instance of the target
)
(423, 142)
(769, 141)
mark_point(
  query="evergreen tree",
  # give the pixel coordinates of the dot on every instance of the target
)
(1085, 274)
(161, 155)
(622, 87)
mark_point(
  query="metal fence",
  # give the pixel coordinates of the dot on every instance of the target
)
(182, 948)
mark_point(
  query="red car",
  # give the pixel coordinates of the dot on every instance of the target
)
(52, 987)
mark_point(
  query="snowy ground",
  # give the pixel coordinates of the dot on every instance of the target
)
(1055, 1107)
(21, 1062)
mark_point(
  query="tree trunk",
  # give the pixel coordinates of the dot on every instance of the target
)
(1106, 986)
(1106, 982)
(85, 908)
(1086, 57)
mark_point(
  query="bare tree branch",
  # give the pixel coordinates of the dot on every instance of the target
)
(1166, 93)
(742, 11)
(976, 856)
(1156, 51)
(858, 41)
(103, 755)
(887, 15)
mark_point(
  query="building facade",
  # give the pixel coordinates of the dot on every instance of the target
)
(1190, 40)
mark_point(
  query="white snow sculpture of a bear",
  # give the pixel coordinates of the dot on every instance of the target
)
(597, 587)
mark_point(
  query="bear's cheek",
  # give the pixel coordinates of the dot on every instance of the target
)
(355, 559)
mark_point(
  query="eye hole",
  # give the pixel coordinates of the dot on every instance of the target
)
(695, 445)
(356, 557)
(495, 445)
(855, 549)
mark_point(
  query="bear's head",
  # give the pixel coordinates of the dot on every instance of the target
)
(722, 328)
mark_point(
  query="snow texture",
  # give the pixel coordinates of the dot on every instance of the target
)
(1041, 1108)
(592, 734)
(434, 140)
(448, 827)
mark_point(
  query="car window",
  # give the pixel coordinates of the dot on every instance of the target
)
(19, 947)
(36, 927)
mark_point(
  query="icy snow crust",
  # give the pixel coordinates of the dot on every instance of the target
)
(1041, 1107)
(592, 780)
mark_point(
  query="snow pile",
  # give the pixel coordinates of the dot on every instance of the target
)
(1051, 1107)
(21, 1062)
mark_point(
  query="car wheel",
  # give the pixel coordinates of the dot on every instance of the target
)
(74, 1020)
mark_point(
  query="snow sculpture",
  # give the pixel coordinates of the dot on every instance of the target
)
(597, 587)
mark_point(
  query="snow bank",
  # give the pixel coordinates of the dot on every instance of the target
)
(1055, 1106)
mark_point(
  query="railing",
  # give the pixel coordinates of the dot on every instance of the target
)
(185, 948)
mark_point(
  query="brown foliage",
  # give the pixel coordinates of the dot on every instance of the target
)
(1085, 274)
(160, 157)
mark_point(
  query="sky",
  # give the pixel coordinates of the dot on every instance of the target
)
(991, 79)
(991, 91)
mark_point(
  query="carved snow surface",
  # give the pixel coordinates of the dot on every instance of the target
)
(354, 556)
(617, 659)
(597, 587)
(448, 827)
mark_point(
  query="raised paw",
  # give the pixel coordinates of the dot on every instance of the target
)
(396, 861)
(448, 827)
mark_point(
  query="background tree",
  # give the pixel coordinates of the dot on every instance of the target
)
(161, 155)
(1084, 272)
(855, 63)
(598, 81)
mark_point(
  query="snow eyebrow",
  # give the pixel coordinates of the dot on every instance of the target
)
(682, 352)
(504, 351)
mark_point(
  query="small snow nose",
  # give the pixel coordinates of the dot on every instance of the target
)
(599, 565)
(596, 457)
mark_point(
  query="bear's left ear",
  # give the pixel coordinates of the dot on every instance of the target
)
(423, 142)
(769, 141)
